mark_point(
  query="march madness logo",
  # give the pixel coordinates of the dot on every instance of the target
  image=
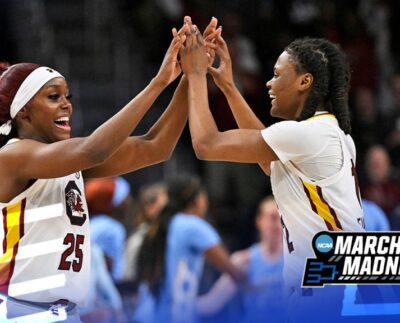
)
(354, 258)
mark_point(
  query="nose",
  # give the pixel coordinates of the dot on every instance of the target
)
(268, 84)
(66, 104)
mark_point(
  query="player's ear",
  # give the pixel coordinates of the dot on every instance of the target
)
(305, 82)
(23, 113)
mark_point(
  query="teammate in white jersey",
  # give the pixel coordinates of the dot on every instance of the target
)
(311, 156)
(44, 234)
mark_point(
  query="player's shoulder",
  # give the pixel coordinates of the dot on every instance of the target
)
(18, 146)
(188, 218)
(291, 130)
(15, 153)
(191, 224)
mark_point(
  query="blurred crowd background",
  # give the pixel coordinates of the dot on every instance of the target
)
(109, 51)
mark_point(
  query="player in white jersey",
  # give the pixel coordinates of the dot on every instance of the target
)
(44, 234)
(311, 157)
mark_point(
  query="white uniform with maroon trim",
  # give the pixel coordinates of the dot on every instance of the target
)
(45, 242)
(314, 183)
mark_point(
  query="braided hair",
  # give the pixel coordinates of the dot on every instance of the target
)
(330, 69)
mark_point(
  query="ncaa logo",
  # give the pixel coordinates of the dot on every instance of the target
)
(324, 243)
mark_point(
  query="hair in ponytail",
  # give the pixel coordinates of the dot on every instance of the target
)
(330, 69)
(182, 191)
(11, 78)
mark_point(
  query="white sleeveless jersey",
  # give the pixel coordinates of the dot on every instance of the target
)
(308, 205)
(45, 242)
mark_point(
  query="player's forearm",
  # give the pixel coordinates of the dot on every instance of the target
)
(219, 257)
(109, 136)
(201, 122)
(219, 295)
(167, 130)
(243, 114)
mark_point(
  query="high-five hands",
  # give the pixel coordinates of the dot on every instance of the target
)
(222, 75)
(170, 68)
(194, 58)
(210, 44)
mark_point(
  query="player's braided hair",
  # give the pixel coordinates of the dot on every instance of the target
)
(182, 192)
(330, 69)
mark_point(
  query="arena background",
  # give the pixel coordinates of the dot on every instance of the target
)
(109, 50)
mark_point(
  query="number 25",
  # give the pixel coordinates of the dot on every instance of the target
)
(74, 245)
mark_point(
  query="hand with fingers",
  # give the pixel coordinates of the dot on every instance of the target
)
(194, 59)
(209, 35)
(222, 75)
(170, 68)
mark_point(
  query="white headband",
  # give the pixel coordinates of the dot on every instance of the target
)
(30, 86)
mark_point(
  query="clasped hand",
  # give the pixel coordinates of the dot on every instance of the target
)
(197, 53)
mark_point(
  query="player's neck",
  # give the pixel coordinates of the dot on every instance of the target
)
(271, 250)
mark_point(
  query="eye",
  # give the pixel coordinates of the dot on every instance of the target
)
(69, 97)
(54, 97)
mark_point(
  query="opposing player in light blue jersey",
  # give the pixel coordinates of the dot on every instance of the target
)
(262, 263)
(172, 255)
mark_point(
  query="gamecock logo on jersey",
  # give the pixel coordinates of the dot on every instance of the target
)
(74, 204)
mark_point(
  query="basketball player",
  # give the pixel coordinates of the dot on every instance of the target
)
(171, 258)
(263, 265)
(45, 257)
(310, 156)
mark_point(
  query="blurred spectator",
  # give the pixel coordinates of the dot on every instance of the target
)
(360, 50)
(263, 264)
(152, 200)
(382, 186)
(374, 217)
(392, 122)
(103, 196)
(366, 122)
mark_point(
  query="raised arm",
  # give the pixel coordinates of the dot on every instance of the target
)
(223, 78)
(158, 144)
(242, 145)
(155, 146)
(32, 159)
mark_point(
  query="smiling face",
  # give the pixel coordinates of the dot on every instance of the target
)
(46, 116)
(288, 89)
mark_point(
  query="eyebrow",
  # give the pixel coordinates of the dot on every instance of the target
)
(56, 86)
(52, 85)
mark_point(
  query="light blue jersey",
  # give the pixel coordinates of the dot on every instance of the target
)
(262, 300)
(189, 236)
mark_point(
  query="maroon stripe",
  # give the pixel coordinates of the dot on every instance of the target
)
(356, 184)
(332, 211)
(4, 288)
(314, 207)
(22, 218)
(328, 225)
(5, 230)
(11, 270)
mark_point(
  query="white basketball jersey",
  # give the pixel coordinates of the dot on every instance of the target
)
(308, 206)
(45, 242)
